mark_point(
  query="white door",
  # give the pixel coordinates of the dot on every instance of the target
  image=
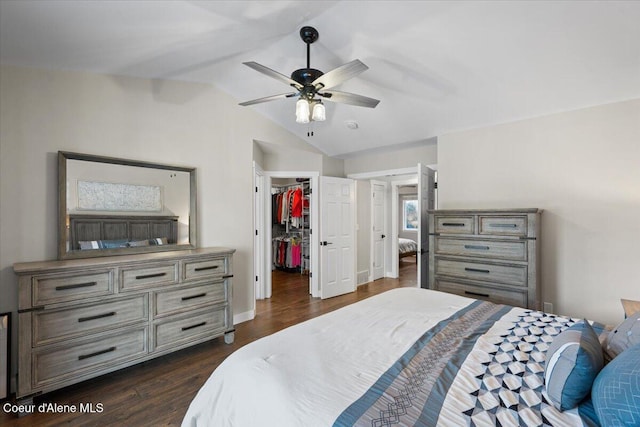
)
(377, 220)
(337, 236)
(426, 179)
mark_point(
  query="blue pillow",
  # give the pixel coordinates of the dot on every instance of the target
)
(573, 360)
(616, 390)
(111, 244)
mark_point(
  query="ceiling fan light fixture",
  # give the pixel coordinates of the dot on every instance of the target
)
(319, 114)
(302, 111)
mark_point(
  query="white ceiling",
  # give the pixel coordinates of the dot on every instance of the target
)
(437, 67)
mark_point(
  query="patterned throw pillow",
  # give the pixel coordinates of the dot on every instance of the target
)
(616, 390)
(89, 244)
(573, 360)
(625, 335)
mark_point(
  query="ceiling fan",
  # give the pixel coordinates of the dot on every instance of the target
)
(311, 85)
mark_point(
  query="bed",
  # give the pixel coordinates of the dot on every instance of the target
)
(88, 232)
(407, 247)
(405, 357)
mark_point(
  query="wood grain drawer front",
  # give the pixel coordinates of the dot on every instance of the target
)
(503, 225)
(511, 250)
(454, 224)
(69, 362)
(209, 323)
(205, 268)
(168, 302)
(148, 276)
(498, 296)
(507, 274)
(49, 289)
(50, 326)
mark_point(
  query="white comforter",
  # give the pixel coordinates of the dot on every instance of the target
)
(308, 374)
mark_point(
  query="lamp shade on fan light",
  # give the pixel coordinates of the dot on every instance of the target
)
(318, 112)
(302, 111)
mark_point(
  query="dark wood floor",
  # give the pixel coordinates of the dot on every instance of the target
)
(158, 392)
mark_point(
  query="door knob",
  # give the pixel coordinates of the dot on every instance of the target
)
(383, 236)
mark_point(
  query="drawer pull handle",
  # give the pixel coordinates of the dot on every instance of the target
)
(75, 286)
(186, 328)
(476, 270)
(97, 353)
(193, 297)
(476, 294)
(149, 276)
(98, 316)
(482, 248)
(211, 267)
(498, 225)
(453, 224)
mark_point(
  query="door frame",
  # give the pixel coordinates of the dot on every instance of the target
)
(259, 234)
(265, 249)
(395, 218)
(384, 230)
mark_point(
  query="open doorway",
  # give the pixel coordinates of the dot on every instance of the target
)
(285, 215)
(290, 235)
(408, 228)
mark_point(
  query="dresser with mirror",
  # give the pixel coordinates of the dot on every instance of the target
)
(130, 283)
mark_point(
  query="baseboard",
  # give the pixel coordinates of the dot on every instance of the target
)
(244, 317)
(363, 277)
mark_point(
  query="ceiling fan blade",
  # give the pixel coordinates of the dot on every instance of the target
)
(340, 74)
(269, 98)
(272, 73)
(349, 98)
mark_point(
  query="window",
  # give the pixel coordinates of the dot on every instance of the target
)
(409, 215)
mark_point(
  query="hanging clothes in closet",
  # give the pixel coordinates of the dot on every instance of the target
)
(286, 207)
(286, 253)
(289, 227)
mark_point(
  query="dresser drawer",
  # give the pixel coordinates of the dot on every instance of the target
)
(498, 296)
(148, 276)
(454, 224)
(168, 302)
(72, 361)
(55, 288)
(508, 225)
(213, 267)
(515, 250)
(207, 324)
(54, 325)
(494, 273)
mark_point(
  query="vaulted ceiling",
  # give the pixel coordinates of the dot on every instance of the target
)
(436, 66)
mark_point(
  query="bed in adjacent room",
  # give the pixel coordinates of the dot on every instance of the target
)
(407, 247)
(405, 357)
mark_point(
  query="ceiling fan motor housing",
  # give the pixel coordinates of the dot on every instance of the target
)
(306, 76)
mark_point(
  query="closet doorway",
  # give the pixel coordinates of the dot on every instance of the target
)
(290, 234)
(290, 218)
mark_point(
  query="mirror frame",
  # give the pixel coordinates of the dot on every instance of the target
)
(63, 156)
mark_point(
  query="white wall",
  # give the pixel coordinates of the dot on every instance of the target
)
(43, 111)
(405, 156)
(583, 168)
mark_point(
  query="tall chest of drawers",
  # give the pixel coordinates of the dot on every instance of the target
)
(486, 254)
(79, 319)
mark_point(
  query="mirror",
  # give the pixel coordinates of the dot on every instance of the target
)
(110, 206)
